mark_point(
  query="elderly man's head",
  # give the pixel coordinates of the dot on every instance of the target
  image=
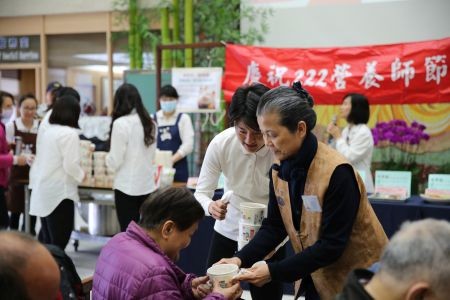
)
(416, 262)
(27, 269)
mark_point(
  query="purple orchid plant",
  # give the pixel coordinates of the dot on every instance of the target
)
(397, 133)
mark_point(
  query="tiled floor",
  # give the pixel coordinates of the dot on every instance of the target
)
(88, 251)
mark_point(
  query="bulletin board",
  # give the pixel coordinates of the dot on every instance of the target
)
(145, 82)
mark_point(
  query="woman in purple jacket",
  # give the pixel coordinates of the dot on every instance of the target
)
(140, 263)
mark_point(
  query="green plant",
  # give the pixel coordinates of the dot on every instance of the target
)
(140, 38)
(399, 144)
(221, 21)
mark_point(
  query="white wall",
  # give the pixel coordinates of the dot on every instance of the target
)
(13, 8)
(328, 25)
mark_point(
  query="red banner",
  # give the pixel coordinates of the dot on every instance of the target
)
(386, 74)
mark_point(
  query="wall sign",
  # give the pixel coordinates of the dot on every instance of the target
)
(198, 88)
(20, 49)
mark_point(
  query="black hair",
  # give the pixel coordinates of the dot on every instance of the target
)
(60, 91)
(168, 91)
(54, 96)
(66, 111)
(4, 94)
(67, 90)
(176, 204)
(360, 111)
(126, 99)
(291, 105)
(27, 96)
(244, 104)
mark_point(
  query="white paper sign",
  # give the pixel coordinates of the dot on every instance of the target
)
(393, 179)
(311, 203)
(439, 182)
(198, 88)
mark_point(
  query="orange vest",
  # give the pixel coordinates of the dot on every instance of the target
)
(367, 239)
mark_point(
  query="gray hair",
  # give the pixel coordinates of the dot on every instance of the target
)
(291, 106)
(420, 251)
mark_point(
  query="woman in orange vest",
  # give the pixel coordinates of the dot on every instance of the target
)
(316, 198)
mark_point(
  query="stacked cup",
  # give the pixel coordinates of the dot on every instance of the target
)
(222, 274)
(103, 176)
(86, 148)
(252, 215)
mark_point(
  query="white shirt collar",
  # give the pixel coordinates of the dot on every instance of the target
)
(261, 152)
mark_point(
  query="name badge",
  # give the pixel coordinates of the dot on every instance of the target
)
(311, 203)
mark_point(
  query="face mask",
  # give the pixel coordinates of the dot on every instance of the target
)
(168, 106)
(7, 113)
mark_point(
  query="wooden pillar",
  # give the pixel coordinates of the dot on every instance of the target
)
(109, 51)
(44, 62)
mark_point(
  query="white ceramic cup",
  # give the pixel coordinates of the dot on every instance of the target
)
(247, 231)
(252, 213)
(86, 162)
(85, 144)
(100, 171)
(222, 274)
(100, 155)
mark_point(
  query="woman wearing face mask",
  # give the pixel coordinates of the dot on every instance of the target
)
(26, 127)
(355, 142)
(7, 108)
(175, 132)
(7, 159)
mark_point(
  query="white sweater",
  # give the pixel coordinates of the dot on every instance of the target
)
(57, 169)
(130, 158)
(356, 144)
(246, 174)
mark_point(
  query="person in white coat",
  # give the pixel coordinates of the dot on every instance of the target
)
(355, 141)
(58, 173)
(132, 153)
(240, 154)
(56, 93)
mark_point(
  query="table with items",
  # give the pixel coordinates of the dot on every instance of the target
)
(390, 213)
(393, 213)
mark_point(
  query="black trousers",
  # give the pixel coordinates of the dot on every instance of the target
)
(4, 218)
(127, 208)
(58, 225)
(308, 289)
(223, 247)
(14, 219)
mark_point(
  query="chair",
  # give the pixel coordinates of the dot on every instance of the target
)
(86, 285)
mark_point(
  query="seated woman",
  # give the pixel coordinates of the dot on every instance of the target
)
(140, 263)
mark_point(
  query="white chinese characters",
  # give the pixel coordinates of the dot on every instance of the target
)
(371, 78)
(398, 70)
(253, 73)
(340, 73)
(275, 75)
(436, 68)
(407, 72)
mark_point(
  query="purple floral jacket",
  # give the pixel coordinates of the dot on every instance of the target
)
(132, 266)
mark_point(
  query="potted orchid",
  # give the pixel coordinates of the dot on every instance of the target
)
(398, 144)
